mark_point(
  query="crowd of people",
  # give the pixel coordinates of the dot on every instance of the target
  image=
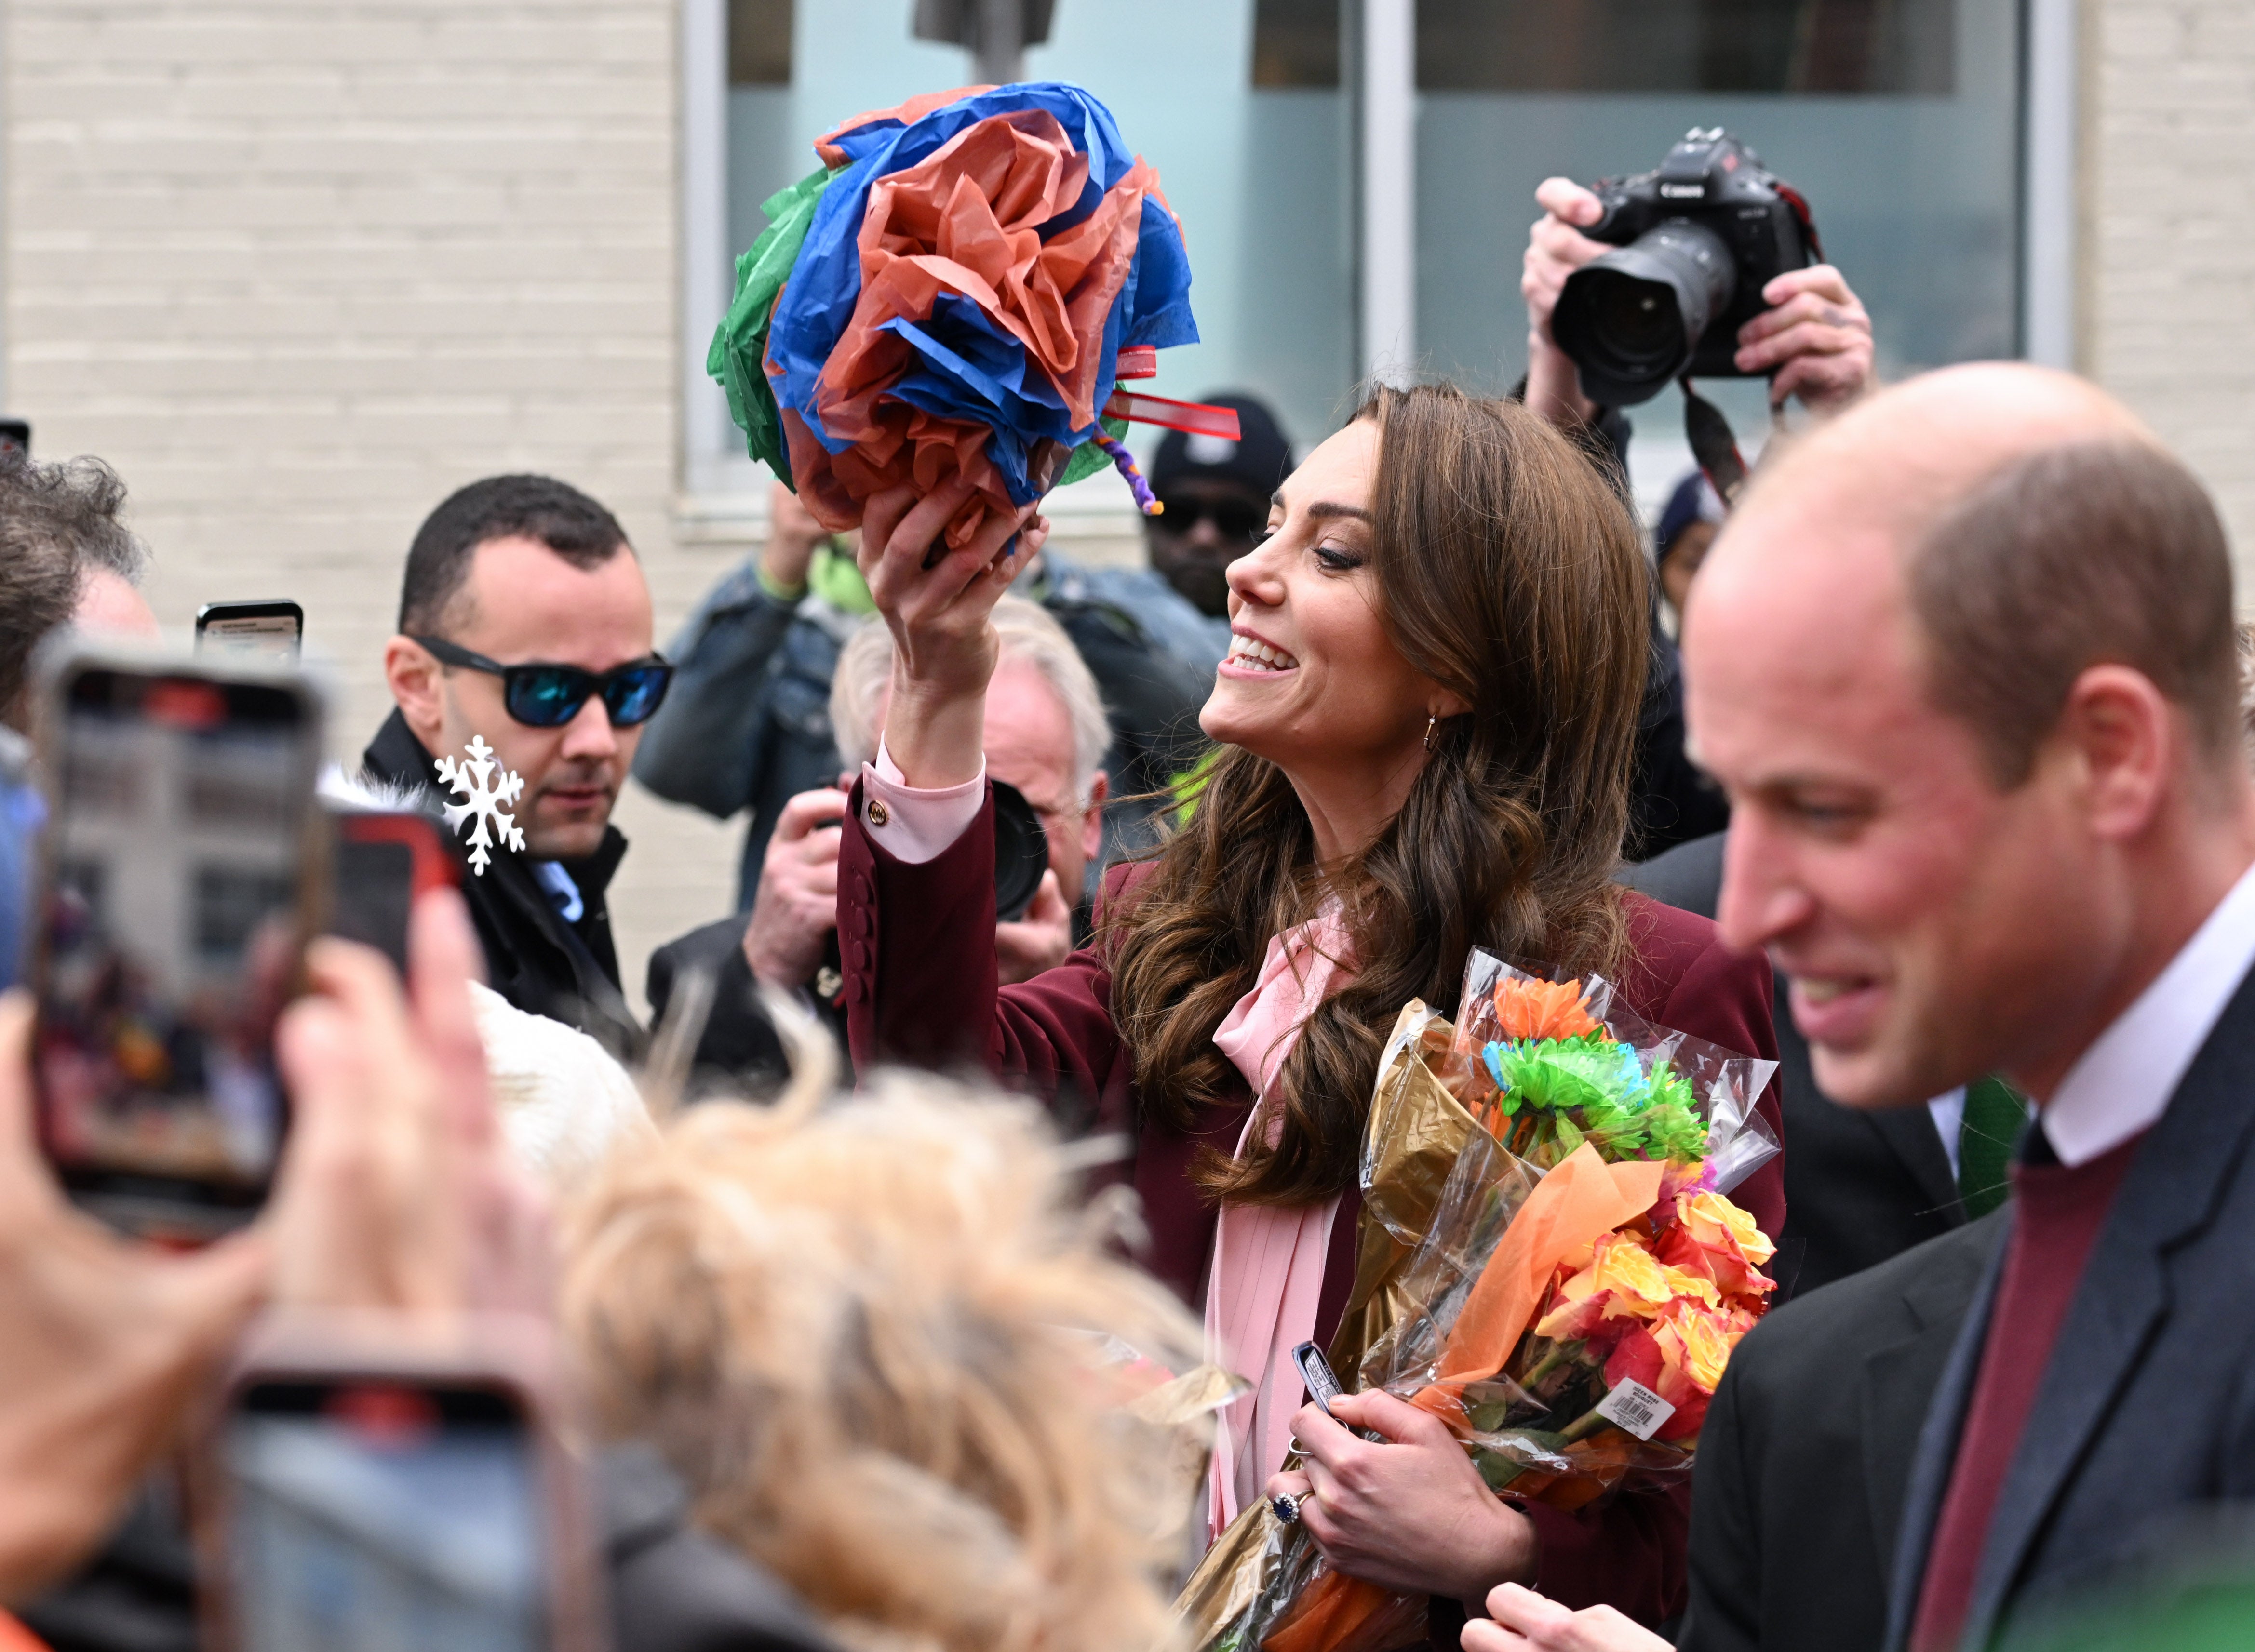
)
(928, 1272)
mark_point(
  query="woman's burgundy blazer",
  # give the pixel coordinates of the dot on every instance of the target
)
(917, 942)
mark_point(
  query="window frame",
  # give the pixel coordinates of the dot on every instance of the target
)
(720, 498)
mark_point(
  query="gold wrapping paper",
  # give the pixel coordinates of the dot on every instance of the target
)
(1415, 1133)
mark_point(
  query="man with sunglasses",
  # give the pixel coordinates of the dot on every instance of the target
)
(524, 620)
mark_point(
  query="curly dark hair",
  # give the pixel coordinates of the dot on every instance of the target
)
(1509, 572)
(57, 522)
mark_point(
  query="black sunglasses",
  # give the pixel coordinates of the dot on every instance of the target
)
(548, 696)
(1232, 518)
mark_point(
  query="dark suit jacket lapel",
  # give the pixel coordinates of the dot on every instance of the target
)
(2171, 1191)
(1910, 1132)
(1937, 1452)
(1899, 1382)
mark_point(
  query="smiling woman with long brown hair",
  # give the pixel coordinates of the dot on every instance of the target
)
(1426, 723)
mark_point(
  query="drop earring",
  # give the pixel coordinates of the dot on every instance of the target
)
(1431, 725)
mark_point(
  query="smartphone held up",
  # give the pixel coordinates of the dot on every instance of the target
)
(271, 629)
(363, 1492)
(184, 868)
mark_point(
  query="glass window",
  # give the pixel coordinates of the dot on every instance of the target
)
(1236, 104)
(1900, 120)
(1897, 119)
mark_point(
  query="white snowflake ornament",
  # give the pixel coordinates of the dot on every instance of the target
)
(483, 798)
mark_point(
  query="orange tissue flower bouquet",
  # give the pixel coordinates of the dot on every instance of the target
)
(1549, 1263)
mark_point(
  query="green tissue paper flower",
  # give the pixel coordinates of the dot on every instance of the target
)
(1590, 1087)
(741, 341)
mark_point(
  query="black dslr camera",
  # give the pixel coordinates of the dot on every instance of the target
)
(1699, 241)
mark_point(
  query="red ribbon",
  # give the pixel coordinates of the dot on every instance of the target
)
(1199, 418)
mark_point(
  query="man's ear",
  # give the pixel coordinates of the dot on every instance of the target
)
(1091, 822)
(2129, 743)
(417, 683)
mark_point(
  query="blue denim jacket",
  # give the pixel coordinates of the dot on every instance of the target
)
(747, 724)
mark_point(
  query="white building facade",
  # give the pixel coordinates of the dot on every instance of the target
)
(300, 267)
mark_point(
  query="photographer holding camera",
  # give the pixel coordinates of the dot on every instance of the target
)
(1709, 239)
(1045, 740)
(1814, 340)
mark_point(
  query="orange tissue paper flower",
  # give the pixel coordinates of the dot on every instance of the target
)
(1542, 1009)
(1622, 1278)
(1713, 1236)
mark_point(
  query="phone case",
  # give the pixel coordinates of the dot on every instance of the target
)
(513, 1353)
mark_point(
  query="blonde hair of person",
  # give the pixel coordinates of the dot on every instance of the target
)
(870, 1334)
(1025, 631)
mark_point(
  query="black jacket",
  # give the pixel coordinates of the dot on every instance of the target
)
(1806, 1451)
(2144, 1422)
(676, 1588)
(567, 971)
(737, 1053)
(1860, 1187)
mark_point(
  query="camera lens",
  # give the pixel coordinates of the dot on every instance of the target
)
(1021, 854)
(1631, 319)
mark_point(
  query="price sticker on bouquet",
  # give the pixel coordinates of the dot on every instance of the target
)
(1635, 1409)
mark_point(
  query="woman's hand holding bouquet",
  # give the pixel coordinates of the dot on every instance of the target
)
(1561, 1309)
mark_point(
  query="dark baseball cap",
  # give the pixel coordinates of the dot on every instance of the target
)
(1694, 500)
(1260, 459)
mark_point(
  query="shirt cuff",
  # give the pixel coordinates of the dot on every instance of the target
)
(915, 826)
(775, 592)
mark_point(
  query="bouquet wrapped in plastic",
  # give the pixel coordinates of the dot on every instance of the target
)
(1549, 1263)
(957, 291)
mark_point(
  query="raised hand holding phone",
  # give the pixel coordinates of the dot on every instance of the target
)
(107, 1341)
(391, 1434)
(185, 865)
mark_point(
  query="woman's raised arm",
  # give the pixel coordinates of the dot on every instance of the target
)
(938, 603)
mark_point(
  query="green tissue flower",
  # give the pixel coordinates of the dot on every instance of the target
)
(741, 341)
(1590, 1087)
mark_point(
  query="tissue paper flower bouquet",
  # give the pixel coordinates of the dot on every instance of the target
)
(1548, 1261)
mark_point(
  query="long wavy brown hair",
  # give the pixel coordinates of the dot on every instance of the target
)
(1508, 571)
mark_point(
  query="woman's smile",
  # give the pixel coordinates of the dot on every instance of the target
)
(1250, 656)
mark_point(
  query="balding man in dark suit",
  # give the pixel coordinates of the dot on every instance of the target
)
(1964, 661)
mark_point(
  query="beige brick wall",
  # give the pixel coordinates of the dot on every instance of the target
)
(298, 268)
(2168, 291)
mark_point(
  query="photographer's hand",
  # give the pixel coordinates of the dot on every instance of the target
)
(797, 903)
(1817, 340)
(1042, 940)
(1556, 249)
(108, 1343)
(943, 643)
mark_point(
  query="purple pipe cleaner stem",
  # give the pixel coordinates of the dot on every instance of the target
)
(1124, 461)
